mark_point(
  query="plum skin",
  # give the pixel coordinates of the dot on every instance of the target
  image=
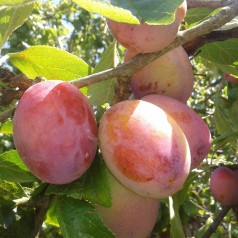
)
(223, 186)
(144, 38)
(195, 129)
(55, 131)
(144, 148)
(170, 75)
(130, 215)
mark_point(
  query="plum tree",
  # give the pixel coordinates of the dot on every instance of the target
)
(170, 75)
(55, 132)
(144, 38)
(130, 215)
(223, 185)
(195, 129)
(144, 148)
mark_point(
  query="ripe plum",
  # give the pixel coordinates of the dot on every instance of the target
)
(144, 148)
(55, 132)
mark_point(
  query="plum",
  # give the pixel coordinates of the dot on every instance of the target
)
(130, 215)
(144, 148)
(55, 131)
(144, 38)
(231, 78)
(170, 75)
(223, 185)
(195, 129)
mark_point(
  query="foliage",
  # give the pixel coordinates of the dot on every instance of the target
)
(64, 41)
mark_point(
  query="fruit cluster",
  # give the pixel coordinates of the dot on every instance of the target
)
(149, 144)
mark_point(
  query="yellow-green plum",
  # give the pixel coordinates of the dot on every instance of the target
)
(170, 75)
(55, 131)
(144, 38)
(144, 148)
(195, 129)
(224, 186)
(130, 215)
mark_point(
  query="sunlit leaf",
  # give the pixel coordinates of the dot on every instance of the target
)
(15, 3)
(175, 221)
(49, 62)
(6, 128)
(11, 18)
(133, 11)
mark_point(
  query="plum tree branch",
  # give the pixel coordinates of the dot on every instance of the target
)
(213, 227)
(212, 4)
(192, 46)
(225, 15)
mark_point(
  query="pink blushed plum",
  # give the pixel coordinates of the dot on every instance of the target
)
(194, 128)
(144, 148)
(224, 186)
(55, 132)
(144, 38)
(170, 75)
(130, 215)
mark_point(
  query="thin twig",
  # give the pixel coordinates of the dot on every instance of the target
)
(216, 222)
(4, 115)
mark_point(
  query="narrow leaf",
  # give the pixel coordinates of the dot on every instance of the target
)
(133, 11)
(11, 18)
(49, 62)
(13, 169)
(104, 92)
(78, 218)
(175, 221)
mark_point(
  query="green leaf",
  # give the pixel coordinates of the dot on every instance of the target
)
(13, 169)
(78, 218)
(6, 128)
(49, 62)
(133, 11)
(104, 92)
(224, 53)
(183, 193)
(11, 18)
(175, 221)
(15, 3)
(10, 190)
(226, 115)
(224, 139)
(51, 216)
(92, 186)
(196, 15)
